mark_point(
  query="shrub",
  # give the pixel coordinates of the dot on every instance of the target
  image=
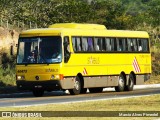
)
(7, 69)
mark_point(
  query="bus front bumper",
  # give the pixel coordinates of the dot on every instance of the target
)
(47, 85)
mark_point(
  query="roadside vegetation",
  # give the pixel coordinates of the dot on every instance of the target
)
(7, 69)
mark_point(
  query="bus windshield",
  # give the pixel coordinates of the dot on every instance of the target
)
(45, 50)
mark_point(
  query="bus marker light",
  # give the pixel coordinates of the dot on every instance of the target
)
(61, 76)
(52, 77)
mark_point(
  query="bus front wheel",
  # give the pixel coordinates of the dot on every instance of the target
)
(77, 87)
(121, 84)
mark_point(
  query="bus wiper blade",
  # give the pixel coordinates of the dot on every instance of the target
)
(43, 59)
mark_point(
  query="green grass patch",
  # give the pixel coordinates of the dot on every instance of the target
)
(7, 77)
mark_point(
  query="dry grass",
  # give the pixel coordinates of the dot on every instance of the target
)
(149, 103)
(154, 80)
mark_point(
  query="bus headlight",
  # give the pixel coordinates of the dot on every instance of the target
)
(57, 77)
(20, 77)
(53, 77)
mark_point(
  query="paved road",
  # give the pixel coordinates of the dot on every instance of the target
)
(27, 99)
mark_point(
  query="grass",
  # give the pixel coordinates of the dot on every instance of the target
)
(153, 80)
(148, 103)
(7, 77)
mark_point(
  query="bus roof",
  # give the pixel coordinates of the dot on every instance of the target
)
(75, 29)
(78, 26)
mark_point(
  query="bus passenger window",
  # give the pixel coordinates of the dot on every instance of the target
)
(103, 44)
(119, 44)
(145, 45)
(84, 44)
(90, 44)
(112, 43)
(108, 44)
(74, 43)
(130, 45)
(96, 46)
(66, 49)
(99, 43)
(135, 44)
(79, 44)
(139, 45)
(126, 45)
(115, 44)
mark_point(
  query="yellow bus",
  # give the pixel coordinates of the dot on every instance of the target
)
(77, 57)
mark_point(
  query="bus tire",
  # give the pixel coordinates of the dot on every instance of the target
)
(130, 85)
(95, 90)
(121, 84)
(77, 87)
(38, 92)
(83, 90)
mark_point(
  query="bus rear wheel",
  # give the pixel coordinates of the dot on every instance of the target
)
(38, 92)
(77, 87)
(130, 85)
(121, 84)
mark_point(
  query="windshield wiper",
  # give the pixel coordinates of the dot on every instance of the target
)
(43, 59)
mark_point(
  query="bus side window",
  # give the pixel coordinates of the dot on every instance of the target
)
(96, 46)
(115, 44)
(108, 44)
(112, 43)
(99, 43)
(66, 49)
(119, 44)
(145, 45)
(126, 45)
(74, 44)
(79, 44)
(139, 45)
(130, 45)
(90, 44)
(84, 44)
(123, 44)
(135, 44)
(103, 44)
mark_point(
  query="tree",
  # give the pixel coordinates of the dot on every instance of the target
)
(112, 14)
(154, 12)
